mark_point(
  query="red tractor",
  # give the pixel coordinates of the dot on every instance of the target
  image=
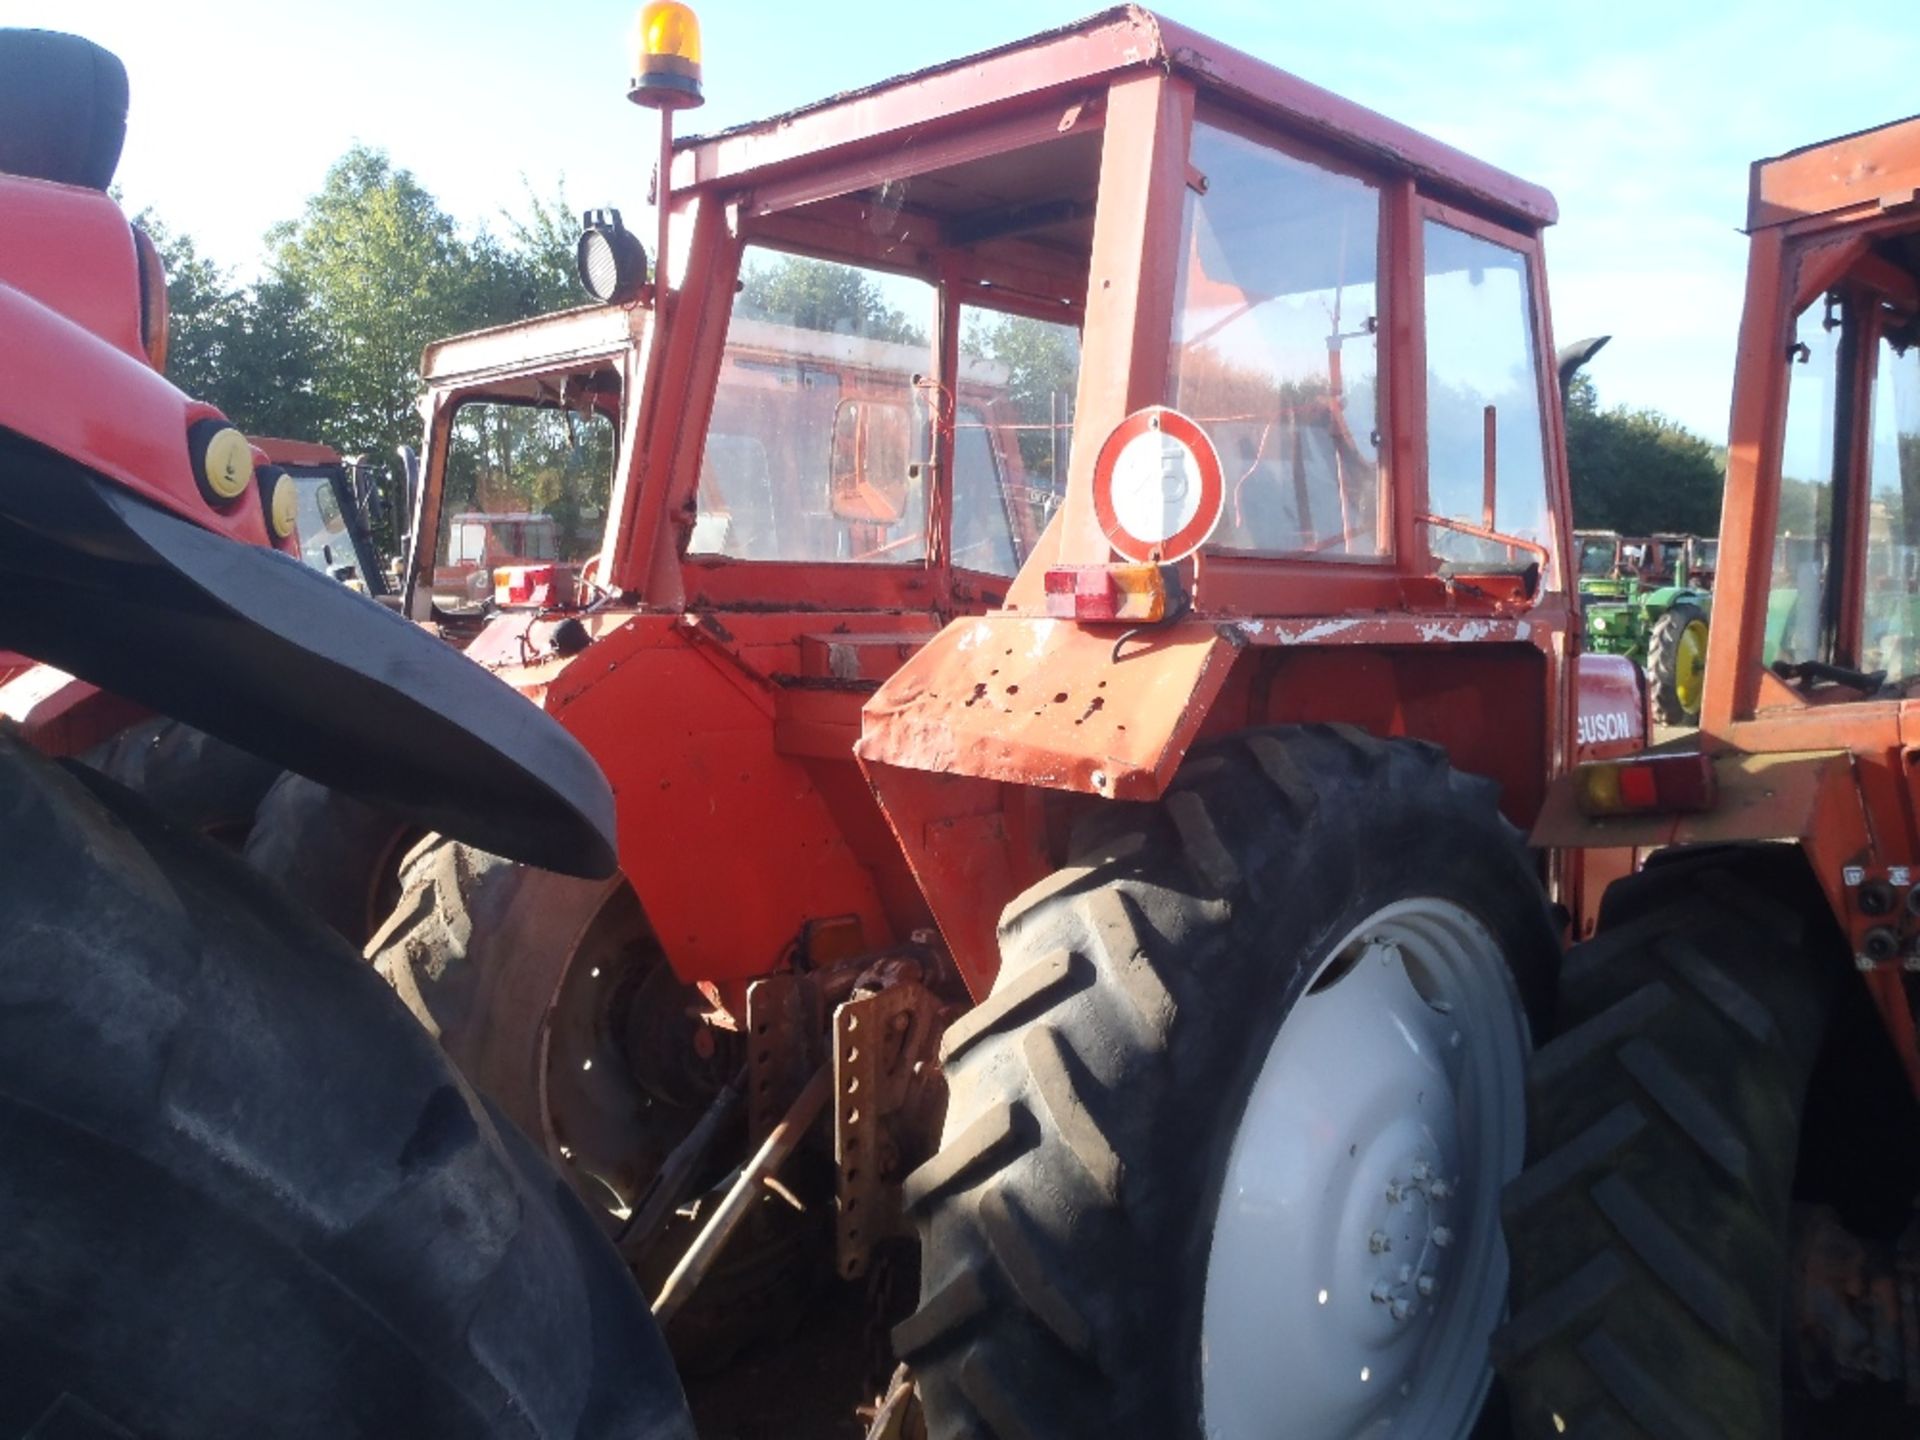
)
(242, 1194)
(1319, 402)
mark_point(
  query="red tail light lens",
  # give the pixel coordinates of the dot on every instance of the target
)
(1138, 594)
(1646, 784)
(523, 585)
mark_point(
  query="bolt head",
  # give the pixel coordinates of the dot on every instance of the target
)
(1400, 1309)
(1380, 1293)
(1442, 1236)
(1379, 1241)
(1440, 1190)
(1426, 1286)
(1421, 1170)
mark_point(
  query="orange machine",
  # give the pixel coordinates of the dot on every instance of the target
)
(1721, 976)
(1318, 408)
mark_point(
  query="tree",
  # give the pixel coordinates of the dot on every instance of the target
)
(379, 270)
(248, 351)
(542, 239)
(1638, 471)
(1043, 371)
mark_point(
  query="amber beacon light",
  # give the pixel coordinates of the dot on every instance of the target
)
(666, 63)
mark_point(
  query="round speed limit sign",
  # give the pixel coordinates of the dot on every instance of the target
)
(1157, 489)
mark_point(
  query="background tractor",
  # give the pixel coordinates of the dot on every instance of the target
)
(1651, 599)
(1724, 1116)
(243, 1195)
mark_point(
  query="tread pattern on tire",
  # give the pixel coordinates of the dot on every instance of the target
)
(1053, 1161)
(1649, 1231)
(260, 1199)
(1663, 663)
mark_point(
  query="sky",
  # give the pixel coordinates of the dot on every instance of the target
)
(1641, 117)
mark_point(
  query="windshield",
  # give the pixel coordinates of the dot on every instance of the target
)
(1596, 556)
(524, 484)
(325, 542)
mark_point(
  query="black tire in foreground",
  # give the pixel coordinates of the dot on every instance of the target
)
(1649, 1233)
(1676, 655)
(1097, 1094)
(189, 776)
(338, 856)
(243, 1195)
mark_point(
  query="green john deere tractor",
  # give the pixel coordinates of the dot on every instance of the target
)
(1650, 599)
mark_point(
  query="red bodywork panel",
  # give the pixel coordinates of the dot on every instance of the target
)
(981, 785)
(70, 305)
(1610, 707)
(720, 733)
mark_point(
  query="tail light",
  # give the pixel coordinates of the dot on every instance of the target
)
(1140, 594)
(523, 585)
(1646, 784)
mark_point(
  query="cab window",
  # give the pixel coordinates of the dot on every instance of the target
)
(1799, 622)
(524, 481)
(1486, 447)
(818, 445)
(1890, 618)
(1012, 434)
(1275, 349)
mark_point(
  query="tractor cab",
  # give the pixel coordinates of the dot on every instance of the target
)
(1316, 462)
(1815, 654)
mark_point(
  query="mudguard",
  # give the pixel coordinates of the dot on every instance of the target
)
(258, 649)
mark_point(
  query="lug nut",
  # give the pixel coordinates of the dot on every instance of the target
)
(1400, 1309)
(1440, 1190)
(1442, 1236)
(1426, 1286)
(1420, 1170)
(1378, 1241)
(1381, 1294)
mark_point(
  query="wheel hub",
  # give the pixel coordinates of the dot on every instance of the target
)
(1356, 1268)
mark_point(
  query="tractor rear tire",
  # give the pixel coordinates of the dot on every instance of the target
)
(193, 779)
(1102, 1160)
(244, 1195)
(527, 979)
(1649, 1233)
(338, 856)
(1676, 655)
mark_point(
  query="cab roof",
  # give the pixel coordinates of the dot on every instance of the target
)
(1057, 64)
(1878, 166)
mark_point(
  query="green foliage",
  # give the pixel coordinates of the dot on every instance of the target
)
(1043, 372)
(246, 350)
(383, 270)
(326, 344)
(1638, 472)
(820, 295)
